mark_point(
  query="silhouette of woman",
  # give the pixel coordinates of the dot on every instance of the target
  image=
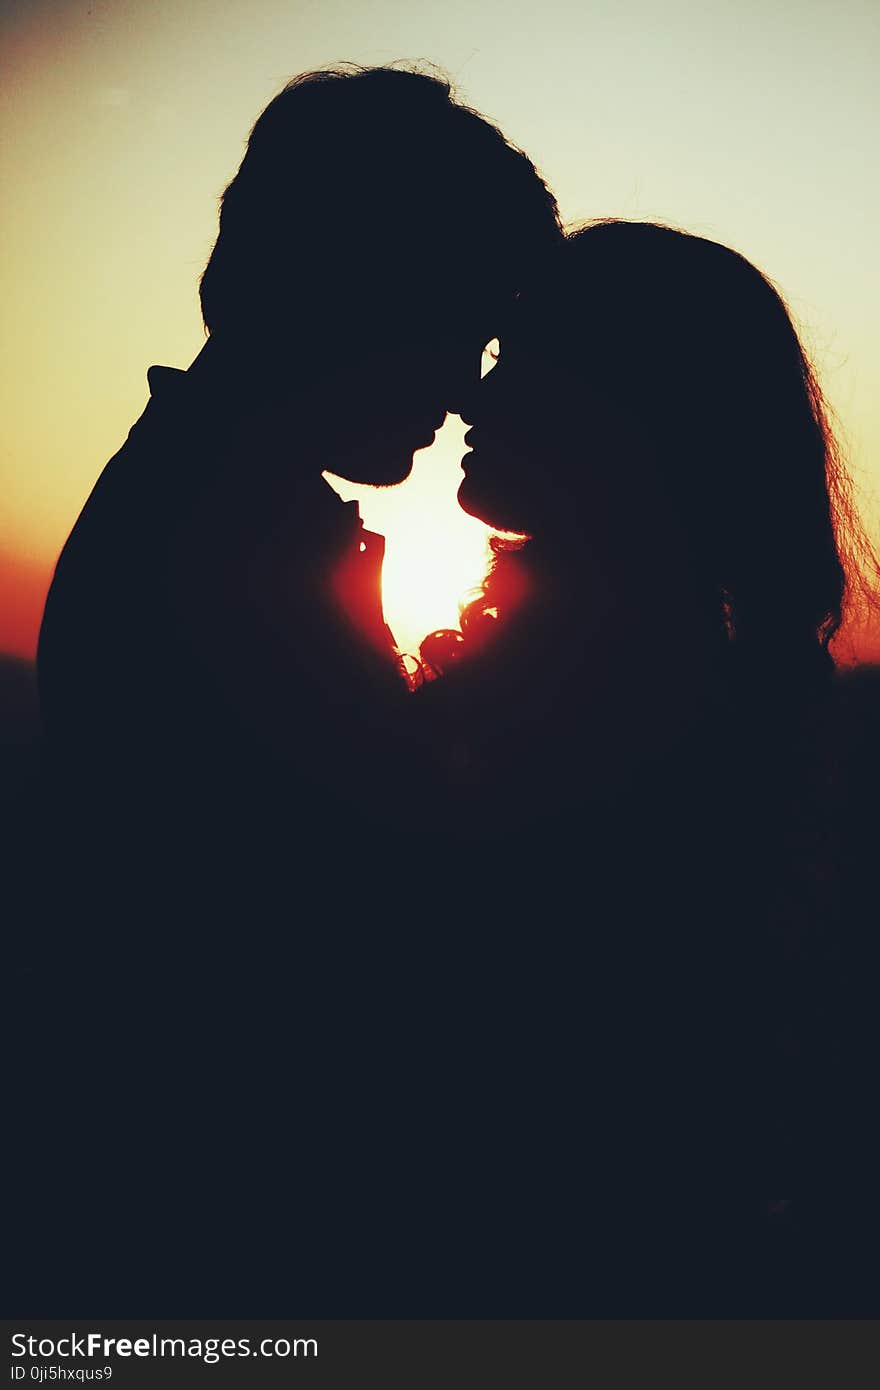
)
(640, 699)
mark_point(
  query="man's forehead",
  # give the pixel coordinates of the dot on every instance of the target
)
(449, 311)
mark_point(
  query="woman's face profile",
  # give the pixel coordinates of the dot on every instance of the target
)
(536, 427)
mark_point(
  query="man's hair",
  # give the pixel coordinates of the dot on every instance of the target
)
(351, 172)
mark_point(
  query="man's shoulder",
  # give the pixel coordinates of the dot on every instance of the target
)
(129, 503)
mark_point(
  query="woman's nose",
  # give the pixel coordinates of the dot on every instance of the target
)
(485, 397)
(464, 381)
(466, 405)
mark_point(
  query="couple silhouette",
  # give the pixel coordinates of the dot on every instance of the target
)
(420, 1002)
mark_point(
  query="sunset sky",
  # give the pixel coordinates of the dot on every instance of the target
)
(754, 122)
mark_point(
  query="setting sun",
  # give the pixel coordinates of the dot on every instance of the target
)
(435, 554)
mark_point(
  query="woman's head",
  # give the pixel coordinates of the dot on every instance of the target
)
(652, 403)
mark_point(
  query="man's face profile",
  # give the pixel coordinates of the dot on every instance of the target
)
(386, 383)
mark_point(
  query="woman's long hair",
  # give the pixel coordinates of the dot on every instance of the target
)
(691, 343)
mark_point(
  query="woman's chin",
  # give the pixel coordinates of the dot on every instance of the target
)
(486, 506)
(473, 502)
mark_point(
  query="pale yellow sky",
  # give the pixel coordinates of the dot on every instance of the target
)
(755, 123)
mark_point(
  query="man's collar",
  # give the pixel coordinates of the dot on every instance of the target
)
(162, 380)
(168, 383)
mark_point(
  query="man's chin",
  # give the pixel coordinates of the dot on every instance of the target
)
(384, 472)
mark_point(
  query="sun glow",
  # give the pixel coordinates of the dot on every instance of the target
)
(435, 555)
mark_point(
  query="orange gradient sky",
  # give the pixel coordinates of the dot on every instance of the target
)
(755, 123)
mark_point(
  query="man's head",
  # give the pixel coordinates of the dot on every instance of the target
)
(367, 246)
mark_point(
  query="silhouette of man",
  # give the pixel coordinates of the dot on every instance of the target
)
(221, 696)
(215, 617)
